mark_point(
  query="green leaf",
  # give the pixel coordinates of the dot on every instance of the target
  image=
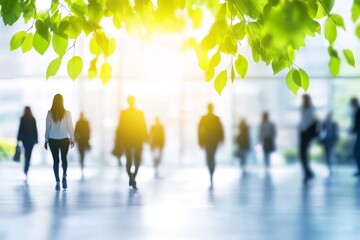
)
(357, 31)
(105, 72)
(40, 27)
(94, 47)
(339, 21)
(332, 51)
(290, 82)
(279, 64)
(195, 16)
(209, 74)
(208, 42)
(230, 44)
(74, 67)
(220, 81)
(117, 21)
(27, 43)
(17, 40)
(109, 48)
(10, 11)
(349, 57)
(92, 72)
(107, 44)
(41, 42)
(241, 65)
(330, 30)
(328, 4)
(320, 11)
(305, 81)
(215, 60)
(74, 27)
(59, 44)
(355, 11)
(296, 77)
(95, 12)
(239, 30)
(28, 14)
(334, 66)
(53, 67)
(203, 60)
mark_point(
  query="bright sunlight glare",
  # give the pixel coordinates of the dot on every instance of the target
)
(43, 5)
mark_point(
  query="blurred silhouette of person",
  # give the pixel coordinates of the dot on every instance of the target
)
(356, 131)
(59, 134)
(243, 142)
(328, 137)
(118, 148)
(308, 128)
(28, 135)
(267, 137)
(82, 137)
(132, 134)
(157, 142)
(210, 135)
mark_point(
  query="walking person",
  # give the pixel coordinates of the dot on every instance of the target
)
(267, 138)
(242, 141)
(132, 134)
(210, 135)
(356, 131)
(59, 135)
(157, 142)
(28, 136)
(82, 138)
(308, 130)
(328, 137)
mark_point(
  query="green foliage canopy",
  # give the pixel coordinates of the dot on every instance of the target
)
(275, 30)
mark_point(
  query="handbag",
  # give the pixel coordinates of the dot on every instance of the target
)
(17, 154)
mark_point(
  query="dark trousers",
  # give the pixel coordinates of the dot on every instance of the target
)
(305, 140)
(157, 155)
(357, 152)
(210, 158)
(242, 154)
(59, 146)
(28, 150)
(267, 159)
(133, 154)
(329, 154)
(82, 155)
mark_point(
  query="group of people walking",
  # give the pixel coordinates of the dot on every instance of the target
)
(132, 134)
(60, 135)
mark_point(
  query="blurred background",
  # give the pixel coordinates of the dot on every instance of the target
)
(167, 82)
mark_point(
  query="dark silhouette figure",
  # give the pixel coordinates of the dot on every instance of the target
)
(28, 135)
(157, 142)
(242, 141)
(82, 137)
(356, 131)
(118, 150)
(267, 137)
(59, 135)
(210, 134)
(328, 137)
(131, 135)
(308, 131)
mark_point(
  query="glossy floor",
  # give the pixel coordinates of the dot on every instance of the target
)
(180, 205)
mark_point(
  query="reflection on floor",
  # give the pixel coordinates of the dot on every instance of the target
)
(180, 205)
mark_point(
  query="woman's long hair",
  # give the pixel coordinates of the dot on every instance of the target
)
(57, 109)
(27, 112)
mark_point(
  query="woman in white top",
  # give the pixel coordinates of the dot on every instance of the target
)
(308, 128)
(267, 137)
(59, 135)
